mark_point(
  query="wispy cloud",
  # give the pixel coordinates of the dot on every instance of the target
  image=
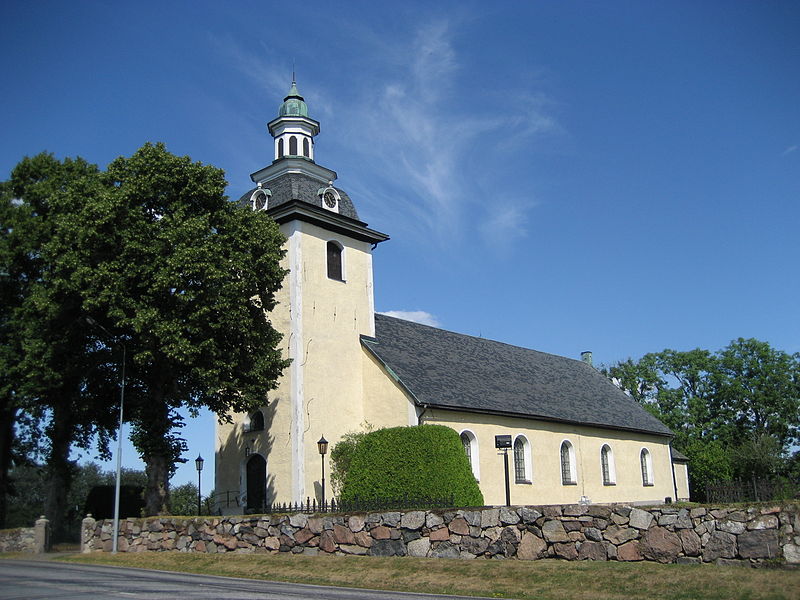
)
(424, 128)
(417, 316)
(411, 120)
(789, 150)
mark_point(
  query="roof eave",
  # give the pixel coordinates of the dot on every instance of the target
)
(303, 211)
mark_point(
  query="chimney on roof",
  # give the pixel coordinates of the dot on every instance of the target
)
(586, 356)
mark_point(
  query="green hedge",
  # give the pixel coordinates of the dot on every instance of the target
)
(422, 461)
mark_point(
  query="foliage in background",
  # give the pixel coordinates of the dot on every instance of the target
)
(735, 412)
(425, 461)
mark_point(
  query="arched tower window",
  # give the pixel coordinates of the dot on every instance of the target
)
(607, 465)
(335, 261)
(306, 147)
(568, 475)
(280, 148)
(470, 443)
(647, 467)
(522, 466)
(257, 421)
(293, 146)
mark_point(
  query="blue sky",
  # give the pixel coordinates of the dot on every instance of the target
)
(620, 177)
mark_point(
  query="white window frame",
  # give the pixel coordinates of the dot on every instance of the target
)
(573, 464)
(648, 478)
(526, 457)
(612, 469)
(341, 257)
(473, 453)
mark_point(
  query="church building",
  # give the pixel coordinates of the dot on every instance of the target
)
(574, 436)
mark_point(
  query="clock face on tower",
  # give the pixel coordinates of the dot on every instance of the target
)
(329, 198)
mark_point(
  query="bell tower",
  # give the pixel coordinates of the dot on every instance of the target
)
(325, 304)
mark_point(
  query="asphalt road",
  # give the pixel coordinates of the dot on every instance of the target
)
(34, 580)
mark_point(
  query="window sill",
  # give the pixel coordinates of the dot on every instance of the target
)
(336, 279)
(647, 484)
(610, 483)
(569, 483)
(523, 482)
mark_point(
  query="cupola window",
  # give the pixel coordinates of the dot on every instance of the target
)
(280, 148)
(306, 148)
(293, 146)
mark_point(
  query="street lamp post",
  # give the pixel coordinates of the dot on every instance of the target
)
(198, 462)
(115, 539)
(322, 445)
(503, 442)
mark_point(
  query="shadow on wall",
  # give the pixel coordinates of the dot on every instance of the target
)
(248, 450)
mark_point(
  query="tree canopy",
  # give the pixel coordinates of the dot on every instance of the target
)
(734, 412)
(175, 275)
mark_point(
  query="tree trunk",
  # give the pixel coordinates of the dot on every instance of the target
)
(157, 467)
(8, 417)
(59, 469)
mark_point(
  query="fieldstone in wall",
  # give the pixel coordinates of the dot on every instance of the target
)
(759, 543)
(459, 526)
(553, 531)
(660, 544)
(531, 547)
(617, 534)
(720, 545)
(640, 519)
(690, 542)
(419, 547)
(413, 520)
(592, 551)
(388, 548)
(629, 551)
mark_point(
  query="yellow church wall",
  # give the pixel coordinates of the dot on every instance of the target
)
(545, 439)
(335, 314)
(385, 402)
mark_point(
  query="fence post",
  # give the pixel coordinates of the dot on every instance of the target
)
(41, 535)
(87, 532)
(755, 487)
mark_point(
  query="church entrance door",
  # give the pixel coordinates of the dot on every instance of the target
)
(256, 481)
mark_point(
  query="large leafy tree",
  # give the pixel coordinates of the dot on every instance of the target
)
(188, 291)
(52, 371)
(181, 281)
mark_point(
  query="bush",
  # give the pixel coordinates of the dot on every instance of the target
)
(426, 461)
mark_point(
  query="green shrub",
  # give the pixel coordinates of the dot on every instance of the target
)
(423, 461)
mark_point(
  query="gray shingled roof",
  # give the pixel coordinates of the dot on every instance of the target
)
(297, 186)
(449, 370)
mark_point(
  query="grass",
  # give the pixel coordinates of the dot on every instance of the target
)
(543, 579)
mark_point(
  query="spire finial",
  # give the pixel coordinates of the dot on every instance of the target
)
(293, 79)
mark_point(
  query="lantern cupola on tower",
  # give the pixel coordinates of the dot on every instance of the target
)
(293, 130)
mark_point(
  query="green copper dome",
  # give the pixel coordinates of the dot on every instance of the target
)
(293, 105)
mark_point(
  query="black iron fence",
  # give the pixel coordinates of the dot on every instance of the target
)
(231, 499)
(753, 490)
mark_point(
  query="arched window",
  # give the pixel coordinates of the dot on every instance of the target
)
(280, 148)
(647, 467)
(293, 146)
(607, 465)
(257, 421)
(306, 147)
(470, 444)
(522, 463)
(335, 261)
(567, 464)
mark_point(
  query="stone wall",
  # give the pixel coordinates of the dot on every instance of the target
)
(666, 534)
(34, 540)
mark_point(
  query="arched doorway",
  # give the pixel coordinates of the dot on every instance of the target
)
(256, 481)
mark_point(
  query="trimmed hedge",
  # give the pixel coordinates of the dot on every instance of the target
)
(421, 461)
